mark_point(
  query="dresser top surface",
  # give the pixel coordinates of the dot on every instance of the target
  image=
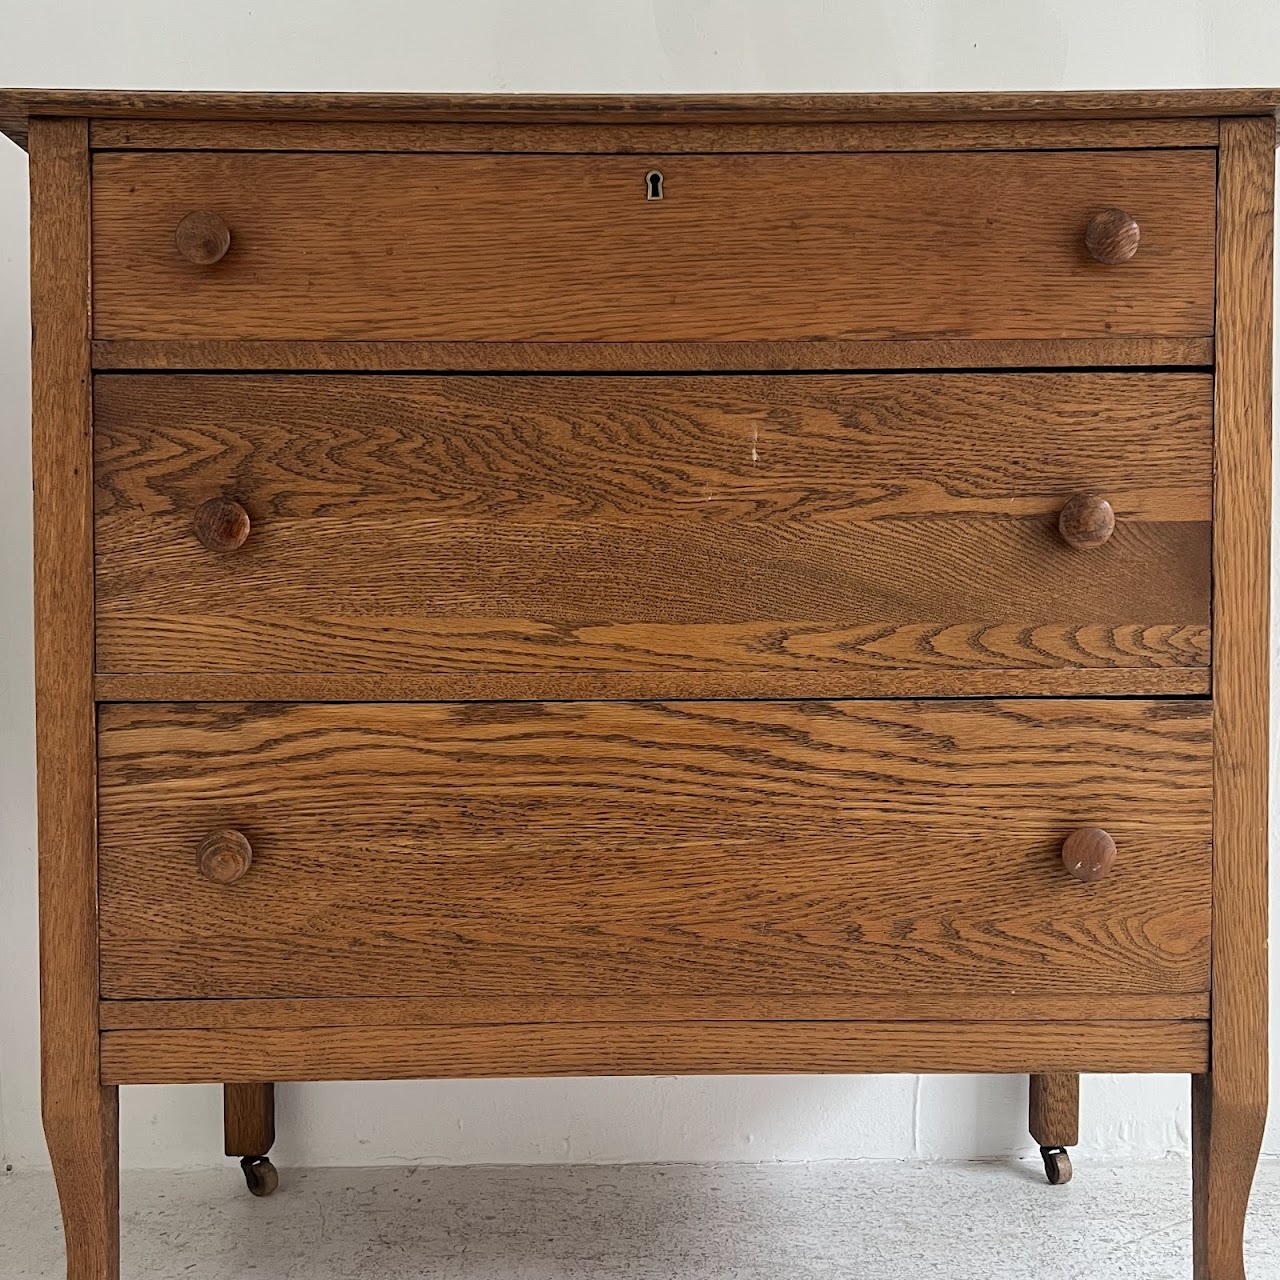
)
(17, 106)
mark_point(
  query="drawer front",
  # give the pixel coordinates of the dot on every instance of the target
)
(772, 527)
(568, 248)
(658, 849)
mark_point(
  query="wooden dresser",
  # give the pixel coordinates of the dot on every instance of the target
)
(573, 586)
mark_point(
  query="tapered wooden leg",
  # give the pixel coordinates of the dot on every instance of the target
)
(1229, 1102)
(81, 1129)
(80, 1117)
(249, 1126)
(1226, 1138)
(1054, 1121)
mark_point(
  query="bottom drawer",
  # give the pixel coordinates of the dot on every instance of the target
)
(657, 854)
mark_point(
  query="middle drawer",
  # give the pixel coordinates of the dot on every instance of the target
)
(768, 527)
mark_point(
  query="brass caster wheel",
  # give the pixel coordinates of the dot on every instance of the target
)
(260, 1175)
(1057, 1165)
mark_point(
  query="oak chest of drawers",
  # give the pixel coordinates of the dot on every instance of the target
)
(611, 586)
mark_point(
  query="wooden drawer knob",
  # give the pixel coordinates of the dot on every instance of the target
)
(222, 524)
(1089, 854)
(1087, 521)
(1112, 236)
(203, 238)
(224, 856)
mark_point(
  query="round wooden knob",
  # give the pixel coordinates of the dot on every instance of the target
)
(203, 238)
(1087, 521)
(1089, 854)
(224, 856)
(1112, 236)
(221, 524)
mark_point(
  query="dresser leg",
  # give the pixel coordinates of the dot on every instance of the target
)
(249, 1126)
(1226, 1137)
(1054, 1121)
(81, 1128)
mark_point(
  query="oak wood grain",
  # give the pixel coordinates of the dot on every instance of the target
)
(661, 525)
(80, 1113)
(502, 686)
(513, 886)
(648, 1048)
(854, 1006)
(1230, 1105)
(956, 135)
(878, 246)
(666, 849)
(665, 357)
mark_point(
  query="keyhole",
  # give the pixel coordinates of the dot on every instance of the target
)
(653, 185)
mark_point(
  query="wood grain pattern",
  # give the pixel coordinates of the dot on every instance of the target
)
(664, 357)
(17, 106)
(426, 1011)
(665, 849)
(213, 135)
(1230, 1106)
(977, 245)
(1054, 1109)
(80, 1115)
(504, 686)
(647, 1048)
(523, 886)
(955, 444)
(248, 1119)
(662, 525)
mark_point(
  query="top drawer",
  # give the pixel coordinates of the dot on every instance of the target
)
(570, 248)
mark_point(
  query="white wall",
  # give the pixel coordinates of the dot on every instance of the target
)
(554, 45)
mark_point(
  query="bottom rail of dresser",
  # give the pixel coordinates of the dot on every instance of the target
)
(243, 1053)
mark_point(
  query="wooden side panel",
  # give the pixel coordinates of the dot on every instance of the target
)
(674, 849)
(650, 1048)
(1230, 1105)
(568, 248)
(777, 526)
(80, 1116)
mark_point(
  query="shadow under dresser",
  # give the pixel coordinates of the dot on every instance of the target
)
(577, 586)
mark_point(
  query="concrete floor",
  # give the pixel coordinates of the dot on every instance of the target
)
(872, 1221)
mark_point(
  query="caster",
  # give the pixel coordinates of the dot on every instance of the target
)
(260, 1175)
(1057, 1165)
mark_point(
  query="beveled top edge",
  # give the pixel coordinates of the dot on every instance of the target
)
(17, 106)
